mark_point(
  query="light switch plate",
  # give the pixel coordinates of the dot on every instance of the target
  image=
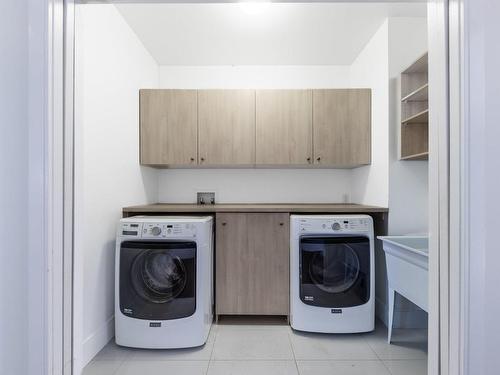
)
(205, 197)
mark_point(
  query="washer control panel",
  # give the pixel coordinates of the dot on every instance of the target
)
(158, 230)
(338, 224)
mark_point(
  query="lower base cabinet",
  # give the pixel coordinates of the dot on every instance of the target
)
(252, 264)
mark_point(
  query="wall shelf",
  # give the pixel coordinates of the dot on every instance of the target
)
(421, 156)
(414, 128)
(419, 95)
(419, 118)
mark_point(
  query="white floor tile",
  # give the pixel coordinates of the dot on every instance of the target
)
(189, 354)
(163, 368)
(407, 344)
(315, 346)
(253, 344)
(114, 352)
(342, 368)
(102, 367)
(252, 368)
(266, 348)
(407, 367)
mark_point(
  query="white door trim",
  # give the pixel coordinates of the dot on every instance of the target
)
(458, 205)
(463, 138)
(50, 168)
(69, 145)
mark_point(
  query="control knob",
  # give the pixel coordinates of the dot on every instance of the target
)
(156, 231)
(336, 226)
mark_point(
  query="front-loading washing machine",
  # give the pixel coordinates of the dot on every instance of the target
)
(332, 273)
(163, 281)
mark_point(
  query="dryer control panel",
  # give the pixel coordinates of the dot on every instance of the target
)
(337, 224)
(158, 230)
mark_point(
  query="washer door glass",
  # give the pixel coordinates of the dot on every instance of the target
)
(157, 279)
(157, 276)
(336, 269)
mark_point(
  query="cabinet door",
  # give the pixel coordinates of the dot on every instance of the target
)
(252, 267)
(283, 127)
(226, 120)
(269, 241)
(342, 127)
(168, 127)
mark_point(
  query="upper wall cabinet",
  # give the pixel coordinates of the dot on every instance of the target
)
(283, 127)
(168, 127)
(226, 121)
(342, 127)
(317, 128)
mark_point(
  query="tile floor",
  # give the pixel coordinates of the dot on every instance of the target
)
(237, 347)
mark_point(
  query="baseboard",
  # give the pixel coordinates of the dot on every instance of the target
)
(98, 340)
(405, 319)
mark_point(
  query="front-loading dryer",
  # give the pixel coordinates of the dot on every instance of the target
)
(163, 281)
(332, 274)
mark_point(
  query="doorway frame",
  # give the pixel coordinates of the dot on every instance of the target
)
(448, 170)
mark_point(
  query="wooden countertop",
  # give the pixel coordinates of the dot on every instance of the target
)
(252, 207)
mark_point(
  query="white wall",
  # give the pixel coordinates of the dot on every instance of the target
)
(111, 65)
(408, 180)
(14, 174)
(254, 77)
(255, 185)
(371, 69)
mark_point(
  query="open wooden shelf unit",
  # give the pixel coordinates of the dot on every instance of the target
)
(414, 141)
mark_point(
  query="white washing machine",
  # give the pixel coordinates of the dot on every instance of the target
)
(332, 274)
(163, 281)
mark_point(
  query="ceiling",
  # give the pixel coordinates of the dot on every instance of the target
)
(260, 34)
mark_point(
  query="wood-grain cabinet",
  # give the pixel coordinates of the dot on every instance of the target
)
(226, 127)
(252, 264)
(168, 127)
(342, 127)
(325, 128)
(284, 127)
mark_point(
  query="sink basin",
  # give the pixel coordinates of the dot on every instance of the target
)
(414, 249)
(407, 259)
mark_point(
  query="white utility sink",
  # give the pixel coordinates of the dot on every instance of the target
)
(407, 259)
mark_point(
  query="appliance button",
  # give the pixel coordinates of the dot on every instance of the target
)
(336, 226)
(156, 231)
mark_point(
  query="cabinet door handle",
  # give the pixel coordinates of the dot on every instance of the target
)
(309, 160)
(192, 159)
(318, 158)
(224, 224)
(282, 224)
(202, 159)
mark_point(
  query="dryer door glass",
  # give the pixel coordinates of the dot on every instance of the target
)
(334, 271)
(157, 276)
(157, 279)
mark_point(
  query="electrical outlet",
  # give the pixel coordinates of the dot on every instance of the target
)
(205, 197)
